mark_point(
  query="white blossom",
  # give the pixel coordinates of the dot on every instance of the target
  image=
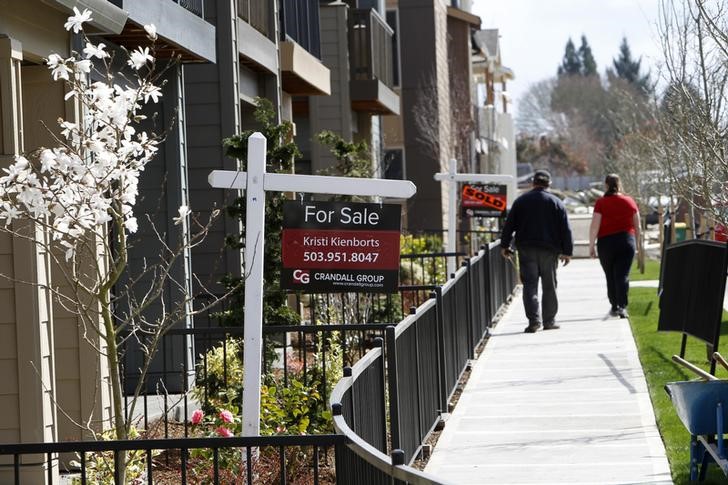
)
(139, 58)
(54, 60)
(131, 224)
(92, 178)
(151, 91)
(97, 51)
(61, 71)
(151, 31)
(75, 22)
(83, 66)
(184, 211)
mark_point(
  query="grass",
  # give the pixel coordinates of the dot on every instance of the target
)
(652, 271)
(655, 351)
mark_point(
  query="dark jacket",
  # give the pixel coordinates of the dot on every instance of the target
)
(539, 220)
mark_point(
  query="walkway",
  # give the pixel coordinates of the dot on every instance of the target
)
(563, 407)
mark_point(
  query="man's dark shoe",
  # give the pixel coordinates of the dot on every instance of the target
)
(550, 326)
(614, 311)
(532, 328)
(622, 312)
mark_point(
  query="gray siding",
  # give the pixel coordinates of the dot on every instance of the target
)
(418, 45)
(211, 103)
(332, 112)
(162, 189)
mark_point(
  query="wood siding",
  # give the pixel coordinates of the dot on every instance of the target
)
(332, 112)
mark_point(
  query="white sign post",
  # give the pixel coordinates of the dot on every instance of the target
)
(452, 218)
(256, 182)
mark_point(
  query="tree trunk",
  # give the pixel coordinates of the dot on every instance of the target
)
(117, 396)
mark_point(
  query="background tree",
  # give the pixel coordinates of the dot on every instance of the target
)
(536, 115)
(571, 62)
(694, 122)
(588, 66)
(628, 69)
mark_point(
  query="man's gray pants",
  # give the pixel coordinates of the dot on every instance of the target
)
(538, 263)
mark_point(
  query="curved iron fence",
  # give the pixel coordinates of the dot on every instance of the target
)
(401, 381)
(422, 360)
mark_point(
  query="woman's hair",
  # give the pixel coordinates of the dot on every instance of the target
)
(614, 185)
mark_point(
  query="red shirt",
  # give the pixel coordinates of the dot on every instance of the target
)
(617, 213)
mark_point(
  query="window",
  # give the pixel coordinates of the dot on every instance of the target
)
(394, 164)
(393, 22)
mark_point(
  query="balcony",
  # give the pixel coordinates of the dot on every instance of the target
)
(303, 73)
(257, 13)
(180, 24)
(300, 23)
(197, 7)
(370, 60)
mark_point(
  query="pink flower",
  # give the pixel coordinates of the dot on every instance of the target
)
(226, 416)
(197, 416)
(224, 432)
(280, 429)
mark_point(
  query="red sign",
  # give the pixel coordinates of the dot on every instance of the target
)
(332, 249)
(336, 246)
(484, 200)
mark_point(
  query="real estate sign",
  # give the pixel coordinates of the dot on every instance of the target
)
(484, 200)
(340, 246)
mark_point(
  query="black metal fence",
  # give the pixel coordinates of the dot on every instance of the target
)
(183, 460)
(396, 381)
(425, 356)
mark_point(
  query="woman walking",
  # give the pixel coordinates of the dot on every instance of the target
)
(615, 226)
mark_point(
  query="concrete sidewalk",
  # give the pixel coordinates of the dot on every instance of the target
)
(562, 406)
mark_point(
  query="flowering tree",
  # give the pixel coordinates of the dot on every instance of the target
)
(82, 193)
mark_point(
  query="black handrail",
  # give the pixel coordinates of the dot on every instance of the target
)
(425, 354)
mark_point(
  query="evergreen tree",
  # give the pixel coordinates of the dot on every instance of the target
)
(628, 69)
(586, 58)
(280, 156)
(571, 64)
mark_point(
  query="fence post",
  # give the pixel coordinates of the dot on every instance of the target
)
(393, 387)
(441, 384)
(486, 284)
(379, 343)
(469, 308)
(413, 311)
(347, 373)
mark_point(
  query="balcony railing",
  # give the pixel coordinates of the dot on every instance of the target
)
(300, 22)
(370, 46)
(257, 13)
(197, 7)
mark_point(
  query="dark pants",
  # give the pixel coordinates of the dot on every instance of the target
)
(616, 253)
(538, 263)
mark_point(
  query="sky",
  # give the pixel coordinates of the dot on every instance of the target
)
(534, 33)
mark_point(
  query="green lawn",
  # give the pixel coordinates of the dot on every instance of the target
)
(656, 350)
(652, 270)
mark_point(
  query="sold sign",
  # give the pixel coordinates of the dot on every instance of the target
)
(484, 200)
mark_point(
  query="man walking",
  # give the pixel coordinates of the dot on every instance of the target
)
(543, 236)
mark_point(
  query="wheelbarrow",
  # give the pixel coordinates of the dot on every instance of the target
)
(702, 406)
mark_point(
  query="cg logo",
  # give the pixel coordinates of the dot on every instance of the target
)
(301, 276)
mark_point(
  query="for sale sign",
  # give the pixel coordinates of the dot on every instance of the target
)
(484, 200)
(340, 246)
